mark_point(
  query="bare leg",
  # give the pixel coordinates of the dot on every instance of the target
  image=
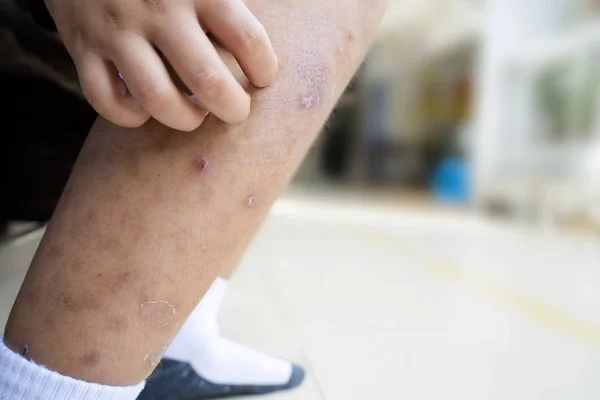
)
(226, 273)
(228, 269)
(151, 216)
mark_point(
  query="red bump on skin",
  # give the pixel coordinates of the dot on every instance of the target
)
(202, 163)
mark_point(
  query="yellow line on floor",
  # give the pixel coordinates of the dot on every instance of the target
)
(528, 306)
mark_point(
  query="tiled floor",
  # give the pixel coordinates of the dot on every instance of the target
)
(388, 303)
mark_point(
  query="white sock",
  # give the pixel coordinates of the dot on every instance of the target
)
(22, 379)
(219, 360)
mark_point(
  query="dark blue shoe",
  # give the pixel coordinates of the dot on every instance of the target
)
(175, 380)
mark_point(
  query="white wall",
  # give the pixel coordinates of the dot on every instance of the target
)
(509, 27)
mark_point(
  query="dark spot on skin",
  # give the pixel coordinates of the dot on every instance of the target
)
(91, 217)
(201, 163)
(90, 302)
(90, 358)
(55, 253)
(99, 275)
(31, 299)
(117, 323)
(68, 302)
(118, 282)
(75, 304)
(351, 35)
(76, 264)
(124, 277)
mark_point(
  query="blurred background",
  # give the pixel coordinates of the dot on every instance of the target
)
(446, 223)
(491, 104)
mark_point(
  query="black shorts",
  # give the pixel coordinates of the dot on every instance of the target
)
(45, 117)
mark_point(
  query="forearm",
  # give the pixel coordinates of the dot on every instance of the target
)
(150, 215)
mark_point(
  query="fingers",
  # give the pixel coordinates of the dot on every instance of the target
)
(238, 30)
(150, 83)
(107, 93)
(198, 64)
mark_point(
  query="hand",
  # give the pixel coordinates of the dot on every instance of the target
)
(108, 37)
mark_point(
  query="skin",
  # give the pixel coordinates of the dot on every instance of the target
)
(144, 227)
(130, 36)
(228, 271)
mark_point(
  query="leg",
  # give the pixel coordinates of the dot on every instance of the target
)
(201, 363)
(228, 270)
(150, 216)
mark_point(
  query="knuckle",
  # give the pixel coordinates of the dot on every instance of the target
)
(223, 6)
(153, 94)
(251, 38)
(209, 81)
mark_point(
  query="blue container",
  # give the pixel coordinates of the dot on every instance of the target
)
(451, 181)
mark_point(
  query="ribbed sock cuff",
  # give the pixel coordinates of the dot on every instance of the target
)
(22, 379)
